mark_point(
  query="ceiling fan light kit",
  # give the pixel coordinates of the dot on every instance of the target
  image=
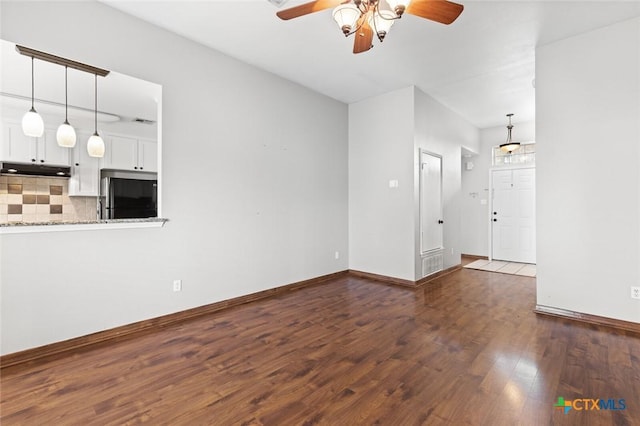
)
(398, 6)
(366, 17)
(346, 16)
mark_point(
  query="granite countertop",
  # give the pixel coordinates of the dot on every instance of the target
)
(86, 222)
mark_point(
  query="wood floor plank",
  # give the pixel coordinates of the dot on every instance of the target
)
(465, 349)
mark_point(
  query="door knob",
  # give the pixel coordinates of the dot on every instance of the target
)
(495, 212)
(495, 220)
(441, 222)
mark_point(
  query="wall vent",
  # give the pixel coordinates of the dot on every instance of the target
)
(432, 262)
(143, 121)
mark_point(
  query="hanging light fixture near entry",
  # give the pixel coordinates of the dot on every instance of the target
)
(32, 124)
(509, 146)
(95, 144)
(66, 135)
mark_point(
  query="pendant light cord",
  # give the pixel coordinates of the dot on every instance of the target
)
(66, 97)
(96, 104)
(32, 85)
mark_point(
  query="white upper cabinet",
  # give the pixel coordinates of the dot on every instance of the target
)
(125, 153)
(147, 155)
(120, 153)
(49, 152)
(17, 147)
(85, 170)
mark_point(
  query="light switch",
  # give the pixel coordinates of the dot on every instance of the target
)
(393, 183)
(483, 202)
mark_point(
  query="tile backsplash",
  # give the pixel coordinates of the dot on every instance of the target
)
(41, 199)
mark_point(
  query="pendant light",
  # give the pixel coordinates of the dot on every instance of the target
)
(32, 124)
(509, 146)
(95, 144)
(66, 135)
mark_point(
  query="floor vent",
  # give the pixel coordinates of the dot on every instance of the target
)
(431, 263)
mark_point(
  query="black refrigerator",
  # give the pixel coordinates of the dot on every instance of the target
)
(128, 195)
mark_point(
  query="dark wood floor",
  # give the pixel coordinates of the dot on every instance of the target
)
(466, 349)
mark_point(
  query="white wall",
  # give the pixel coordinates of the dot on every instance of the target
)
(385, 135)
(441, 131)
(255, 186)
(588, 151)
(381, 222)
(475, 186)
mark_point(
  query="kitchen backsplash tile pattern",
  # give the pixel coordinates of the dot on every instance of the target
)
(35, 199)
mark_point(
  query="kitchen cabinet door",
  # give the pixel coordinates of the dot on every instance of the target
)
(16, 146)
(27, 149)
(49, 152)
(121, 153)
(147, 155)
(85, 171)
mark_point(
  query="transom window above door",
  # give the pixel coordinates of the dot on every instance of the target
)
(525, 154)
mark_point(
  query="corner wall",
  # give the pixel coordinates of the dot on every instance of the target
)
(441, 131)
(381, 222)
(386, 133)
(588, 151)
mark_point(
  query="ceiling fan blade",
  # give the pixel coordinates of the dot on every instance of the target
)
(441, 11)
(305, 9)
(363, 37)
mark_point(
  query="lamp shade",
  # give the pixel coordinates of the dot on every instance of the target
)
(346, 16)
(510, 146)
(32, 124)
(382, 21)
(95, 146)
(66, 135)
(393, 4)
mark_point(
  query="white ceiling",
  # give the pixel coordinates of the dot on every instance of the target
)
(481, 66)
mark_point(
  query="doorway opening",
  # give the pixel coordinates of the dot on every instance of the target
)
(431, 214)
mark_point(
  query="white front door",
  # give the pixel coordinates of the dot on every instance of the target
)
(513, 215)
(430, 202)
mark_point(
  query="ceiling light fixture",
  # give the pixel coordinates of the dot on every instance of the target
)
(95, 144)
(66, 135)
(509, 146)
(32, 124)
(364, 18)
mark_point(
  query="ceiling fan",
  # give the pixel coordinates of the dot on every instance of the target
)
(366, 17)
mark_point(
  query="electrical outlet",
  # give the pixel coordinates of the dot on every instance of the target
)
(337, 255)
(635, 292)
(177, 285)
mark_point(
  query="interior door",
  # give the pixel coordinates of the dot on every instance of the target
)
(431, 222)
(513, 222)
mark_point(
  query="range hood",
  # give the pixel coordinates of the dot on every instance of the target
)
(28, 169)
